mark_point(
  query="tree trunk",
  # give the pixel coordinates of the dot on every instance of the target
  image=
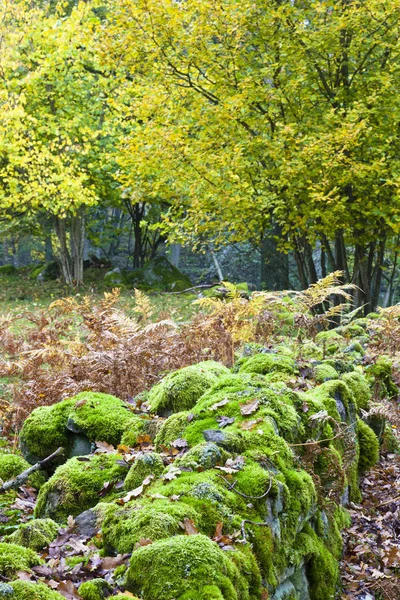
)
(274, 264)
(64, 255)
(77, 245)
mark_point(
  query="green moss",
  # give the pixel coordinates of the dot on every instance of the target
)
(75, 486)
(324, 372)
(381, 372)
(8, 270)
(96, 589)
(146, 463)
(14, 558)
(310, 350)
(322, 568)
(124, 527)
(169, 569)
(45, 430)
(369, 446)
(267, 363)
(172, 429)
(12, 465)
(203, 456)
(100, 417)
(35, 534)
(139, 426)
(27, 590)
(390, 442)
(359, 387)
(180, 390)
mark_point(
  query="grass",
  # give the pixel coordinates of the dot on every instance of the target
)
(19, 293)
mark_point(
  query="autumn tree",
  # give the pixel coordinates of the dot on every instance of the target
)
(254, 116)
(53, 139)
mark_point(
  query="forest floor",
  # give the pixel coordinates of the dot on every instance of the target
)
(371, 562)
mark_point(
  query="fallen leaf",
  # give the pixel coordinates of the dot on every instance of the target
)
(250, 407)
(224, 421)
(189, 526)
(218, 405)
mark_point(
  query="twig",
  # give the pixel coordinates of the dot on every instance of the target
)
(22, 477)
(242, 527)
(231, 487)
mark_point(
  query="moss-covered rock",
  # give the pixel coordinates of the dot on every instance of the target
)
(124, 527)
(14, 558)
(325, 372)
(88, 416)
(36, 534)
(28, 590)
(146, 463)
(359, 387)
(96, 589)
(8, 270)
(181, 389)
(100, 417)
(159, 273)
(140, 426)
(45, 430)
(381, 375)
(12, 465)
(75, 486)
(267, 363)
(186, 567)
(369, 446)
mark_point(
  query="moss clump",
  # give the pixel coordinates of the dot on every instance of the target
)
(382, 374)
(12, 465)
(180, 390)
(146, 463)
(75, 486)
(268, 363)
(123, 527)
(359, 387)
(35, 534)
(324, 372)
(45, 430)
(6, 591)
(27, 590)
(369, 446)
(184, 567)
(14, 558)
(203, 456)
(321, 566)
(390, 442)
(99, 416)
(96, 589)
(172, 429)
(138, 426)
